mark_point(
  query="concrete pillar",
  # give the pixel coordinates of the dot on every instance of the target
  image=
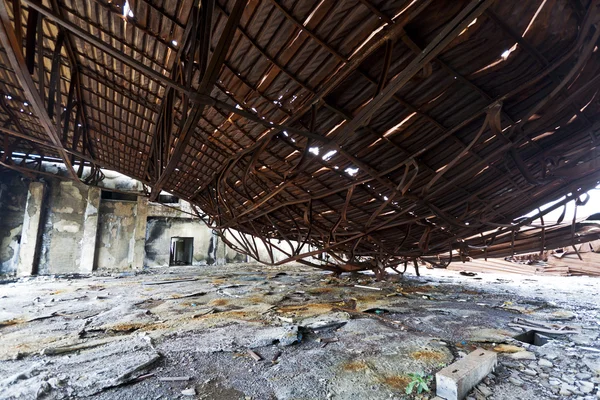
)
(221, 250)
(90, 230)
(139, 235)
(31, 229)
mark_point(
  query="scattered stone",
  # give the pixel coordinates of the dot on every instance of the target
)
(484, 390)
(562, 315)
(515, 381)
(507, 348)
(529, 372)
(565, 392)
(522, 355)
(189, 392)
(586, 387)
(545, 363)
(173, 378)
(490, 335)
(255, 356)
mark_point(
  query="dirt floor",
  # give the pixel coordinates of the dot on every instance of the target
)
(194, 332)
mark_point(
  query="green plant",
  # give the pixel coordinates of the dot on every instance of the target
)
(419, 381)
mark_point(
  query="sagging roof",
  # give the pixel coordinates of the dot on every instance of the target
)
(369, 129)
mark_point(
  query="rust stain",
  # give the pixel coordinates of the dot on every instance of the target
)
(425, 288)
(320, 290)
(219, 302)
(256, 299)
(428, 355)
(306, 308)
(10, 322)
(355, 366)
(127, 327)
(397, 381)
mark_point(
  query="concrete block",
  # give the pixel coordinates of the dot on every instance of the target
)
(457, 379)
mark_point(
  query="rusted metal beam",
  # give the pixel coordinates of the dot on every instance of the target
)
(14, 54)
(376, 11)
(435, 47)
(208, 80)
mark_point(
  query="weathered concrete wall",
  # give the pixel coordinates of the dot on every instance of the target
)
(115, 245)
(90, 231)
(63, 227)
(160, 230)
(80, 232)
(13, 196)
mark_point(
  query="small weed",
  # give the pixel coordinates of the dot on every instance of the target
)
(419, 382)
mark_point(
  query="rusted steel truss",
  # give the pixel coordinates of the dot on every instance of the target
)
(344, 135)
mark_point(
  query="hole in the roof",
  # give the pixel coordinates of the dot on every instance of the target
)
(534, 17)
(127, 12)
(589, 102)
(335, 128)
(404, 9)
(397, 126)
(351, 171)
(483, 169)
(468, 26)
(8, 97)
(314, 150)
(327, 156)
(174, 42)
(507, 52)
(543, 135)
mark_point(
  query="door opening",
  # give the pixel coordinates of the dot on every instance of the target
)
(182, 250)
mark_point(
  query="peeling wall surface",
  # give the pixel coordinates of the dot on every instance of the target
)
(79, 232)
(115, 244)
(158, 240)
(13, 197)
(63, 220)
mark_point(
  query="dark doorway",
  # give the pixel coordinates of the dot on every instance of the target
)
(182, 250)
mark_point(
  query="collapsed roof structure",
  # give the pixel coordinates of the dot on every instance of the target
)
(375, 131)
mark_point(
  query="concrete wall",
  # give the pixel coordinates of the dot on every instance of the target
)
(62, 227)
(160, 230)
(78, 232)
(13, 197)
(115, 244)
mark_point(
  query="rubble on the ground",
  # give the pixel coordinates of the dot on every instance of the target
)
(248, 332)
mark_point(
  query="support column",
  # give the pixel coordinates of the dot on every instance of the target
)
(31, 229)
(90, 231)
(139, 235)
(221, 251)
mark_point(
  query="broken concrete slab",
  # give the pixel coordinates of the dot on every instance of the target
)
(82, 373)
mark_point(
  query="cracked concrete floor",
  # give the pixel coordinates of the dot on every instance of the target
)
(318, 336)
